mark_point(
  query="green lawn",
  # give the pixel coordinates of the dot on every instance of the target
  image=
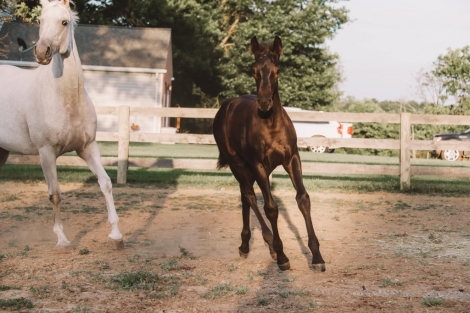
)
(193, 151)
(220, 180)
(223, 179)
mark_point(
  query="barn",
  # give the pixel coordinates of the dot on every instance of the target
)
(121, 66)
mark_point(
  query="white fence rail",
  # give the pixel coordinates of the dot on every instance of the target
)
(124, 136)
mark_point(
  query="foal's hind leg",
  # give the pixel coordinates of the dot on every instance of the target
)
(49, 168)
(3, 156)
(91, 155)
(294, 169)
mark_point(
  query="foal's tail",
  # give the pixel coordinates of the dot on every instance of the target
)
(221, 162)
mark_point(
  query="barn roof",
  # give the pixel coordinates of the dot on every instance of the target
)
(98, 45)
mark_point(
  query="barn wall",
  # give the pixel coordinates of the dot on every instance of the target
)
(131, 89)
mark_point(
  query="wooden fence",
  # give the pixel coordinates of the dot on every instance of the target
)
(405, 144)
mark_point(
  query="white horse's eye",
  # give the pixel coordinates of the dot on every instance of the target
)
(65, 23)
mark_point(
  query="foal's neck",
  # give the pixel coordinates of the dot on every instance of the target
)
(277, 106)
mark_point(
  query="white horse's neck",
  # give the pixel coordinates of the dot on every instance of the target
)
(66, 75)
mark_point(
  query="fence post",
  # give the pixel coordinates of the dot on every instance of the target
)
(123, 143)
(405, 143)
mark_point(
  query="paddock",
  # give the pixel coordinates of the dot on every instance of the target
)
(387, 251)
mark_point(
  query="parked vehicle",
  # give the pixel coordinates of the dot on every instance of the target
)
(452, 155)
(327, 129)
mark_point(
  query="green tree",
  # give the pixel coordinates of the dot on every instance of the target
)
(453, 69)
(211, 39)
(26, 11)
(10, 10)
(308, 69)
(194, 39)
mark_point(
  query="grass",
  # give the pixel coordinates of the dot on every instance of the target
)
(387, 282)
(142, 279)
(241, 291)
(262, 301)
(81, 309)
(84, 251)
(103, 265)
(11, 198)
(170, 265)
(167, 178)
(218, 291)
(41, 291)
(429, 302)
(145, 280)
(186, 254)
(16, 304)
(185, 151)
(313, 304)
(205, 179)
(5, 287)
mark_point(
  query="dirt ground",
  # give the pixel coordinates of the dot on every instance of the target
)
(383, 252)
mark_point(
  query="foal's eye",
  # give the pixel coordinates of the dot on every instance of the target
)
(65, 23)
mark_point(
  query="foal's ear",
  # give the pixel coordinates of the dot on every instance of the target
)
(254, 46)
(277, 46)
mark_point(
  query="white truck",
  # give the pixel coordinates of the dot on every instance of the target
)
(331, 129)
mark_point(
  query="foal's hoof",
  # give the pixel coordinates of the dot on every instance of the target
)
(284, 267)
(274, 256)
(242, 254)
(318, 267)
(116, 244)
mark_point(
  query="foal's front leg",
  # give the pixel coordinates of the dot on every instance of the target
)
(48, 163)
(248, 199)
(272, 213)
(91, 155)
(294, 169)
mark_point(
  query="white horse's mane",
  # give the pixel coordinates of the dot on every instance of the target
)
(72, 14)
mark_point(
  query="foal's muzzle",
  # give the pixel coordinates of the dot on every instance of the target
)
(264, 104)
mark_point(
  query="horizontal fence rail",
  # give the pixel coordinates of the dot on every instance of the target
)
(124, 136)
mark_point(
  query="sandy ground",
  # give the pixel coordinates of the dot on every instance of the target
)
(383, 252)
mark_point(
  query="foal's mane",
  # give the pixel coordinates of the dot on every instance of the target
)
(73, 15)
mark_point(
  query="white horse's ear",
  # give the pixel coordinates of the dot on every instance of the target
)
(66, 3)
(44, 2)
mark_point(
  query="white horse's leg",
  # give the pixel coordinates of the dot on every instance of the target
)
(91, 155)
(49, 168)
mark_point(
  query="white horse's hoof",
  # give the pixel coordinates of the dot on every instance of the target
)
(116, 244)
(64, 248)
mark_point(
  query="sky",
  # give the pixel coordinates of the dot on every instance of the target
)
(387, 42)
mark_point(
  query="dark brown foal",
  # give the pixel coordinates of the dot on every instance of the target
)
(255, 135)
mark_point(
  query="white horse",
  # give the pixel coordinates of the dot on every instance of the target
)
(47, 111)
